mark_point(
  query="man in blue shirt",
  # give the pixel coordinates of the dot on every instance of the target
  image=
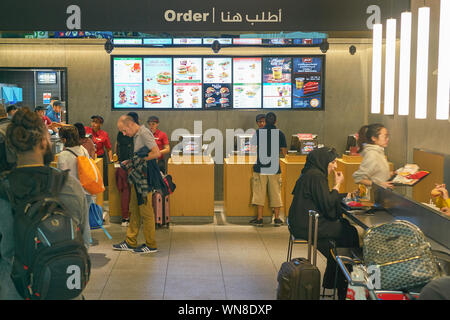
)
(54, 110)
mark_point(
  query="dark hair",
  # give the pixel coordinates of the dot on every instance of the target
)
(99, 118)
(70, 133)
(57, 103)
(260, 116)
(11, 108)
(134, 115)
(153, 119)
(271, 118)
(81, 129)
(366, 133)
(25, 131)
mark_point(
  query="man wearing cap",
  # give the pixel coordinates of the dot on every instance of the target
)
(54, 110)
(261, 120)
(102, 142)
(161, 140)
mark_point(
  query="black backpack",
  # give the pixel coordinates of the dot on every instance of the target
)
(50, 261)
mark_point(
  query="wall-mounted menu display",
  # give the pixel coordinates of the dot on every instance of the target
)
(307, 83)
(127, 82)
(247, 83)
(218, 82)
(277, 82)
(187, 86)
(157, 82)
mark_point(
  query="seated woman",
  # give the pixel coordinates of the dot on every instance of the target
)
(311, 192)
(441, 199)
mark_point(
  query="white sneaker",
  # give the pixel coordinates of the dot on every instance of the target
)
(125, 223)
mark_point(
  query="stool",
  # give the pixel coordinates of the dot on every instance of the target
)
(344, 256)
(293, 240)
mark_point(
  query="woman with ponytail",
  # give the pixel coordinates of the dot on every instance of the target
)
(372, 139)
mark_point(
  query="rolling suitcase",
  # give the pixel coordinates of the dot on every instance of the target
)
(161, 209)
(298, 279)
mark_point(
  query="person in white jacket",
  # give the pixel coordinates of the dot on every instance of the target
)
(372, 139)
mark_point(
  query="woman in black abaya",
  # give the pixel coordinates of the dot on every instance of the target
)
(311, 192)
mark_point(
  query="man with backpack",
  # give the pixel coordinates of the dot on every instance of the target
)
(44, 224)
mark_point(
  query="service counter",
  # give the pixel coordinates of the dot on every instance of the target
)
(99, 163)
(291, 167)
(237, 173)
(193, 199)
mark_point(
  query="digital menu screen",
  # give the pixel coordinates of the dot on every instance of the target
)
(127, 83)
(277, 82)
(221, 40)
(187, 41)
(158, 82)
(217, 82)
(247, 83)
(307, 83)
(155, 41)
(187, 87)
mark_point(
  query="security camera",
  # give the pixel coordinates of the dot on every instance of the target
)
(215, 46)
(109, 47)
(324, 46)
(352, 49)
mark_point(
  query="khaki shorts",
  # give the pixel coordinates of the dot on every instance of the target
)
(261, 183)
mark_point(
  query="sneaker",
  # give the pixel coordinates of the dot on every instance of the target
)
(258, 223)
(145, 249)
(253, 220)
(277, 222)
(123, 246)
(125, 222)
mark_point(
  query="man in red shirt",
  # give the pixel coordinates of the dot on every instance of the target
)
(161, 140)
(102, 142)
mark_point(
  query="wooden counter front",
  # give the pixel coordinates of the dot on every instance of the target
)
(291, 167)
(194, 194)
(237, 176)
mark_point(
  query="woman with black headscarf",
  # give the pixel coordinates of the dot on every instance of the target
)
(311, 192)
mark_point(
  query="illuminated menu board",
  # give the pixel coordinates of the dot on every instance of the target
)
(217, 82)
(277, 82)
(127, 83)
(158, 82)
(307, 83)
(247, 83)
(187, 83)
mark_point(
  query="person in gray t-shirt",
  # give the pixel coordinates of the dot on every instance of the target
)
(142, 137)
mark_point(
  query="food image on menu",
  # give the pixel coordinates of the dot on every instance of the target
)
(187, 96)
(217, 70)
(152, 96)
(187, 70)
(307, 83)
(310, 87)
(210, 100)
(164, 77)
(157, 83)
(195, 89)
(127, 96)
(179, 90)
(180, 100)
(217, 96)
(182, 69)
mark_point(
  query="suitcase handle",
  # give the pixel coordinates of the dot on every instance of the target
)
(315, 215)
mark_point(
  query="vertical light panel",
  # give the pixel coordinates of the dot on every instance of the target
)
(423, 35)
(405, 64)
(443, 85)
(389, 71)
(376, 68)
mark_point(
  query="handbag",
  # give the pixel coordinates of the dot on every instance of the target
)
(96, 218)
(400, 255)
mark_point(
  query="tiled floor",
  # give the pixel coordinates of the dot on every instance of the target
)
(205, 262)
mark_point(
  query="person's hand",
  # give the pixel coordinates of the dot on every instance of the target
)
(446, 211)
(387, 184)
(124, 163)
(338, 177)
(443, 191)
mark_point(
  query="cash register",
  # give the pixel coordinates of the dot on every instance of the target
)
(303, 143)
